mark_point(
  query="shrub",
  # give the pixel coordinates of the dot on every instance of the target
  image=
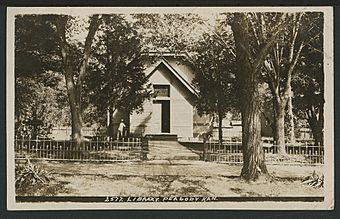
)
(29, 175)
(314, 180)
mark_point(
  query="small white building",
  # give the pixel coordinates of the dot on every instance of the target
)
(171, 110)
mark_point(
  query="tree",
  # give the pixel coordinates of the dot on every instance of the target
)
(39, 88)
(280, 68)
(214, 79)
(308, 84)
(44, 44)
(73, 71)
(117, 80)
(250, 56)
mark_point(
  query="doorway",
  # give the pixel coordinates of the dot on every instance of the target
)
(164, 115)
(165, 119)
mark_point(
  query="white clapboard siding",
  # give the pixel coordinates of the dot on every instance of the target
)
(181, 109)
(140, 122)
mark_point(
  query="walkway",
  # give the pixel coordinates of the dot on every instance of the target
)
(169, 150)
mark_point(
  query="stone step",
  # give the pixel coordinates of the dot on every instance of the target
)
(162, 137)
(169, 150)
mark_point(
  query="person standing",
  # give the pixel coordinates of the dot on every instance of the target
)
(121, 129)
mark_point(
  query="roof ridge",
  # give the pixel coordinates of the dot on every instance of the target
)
(179, 75)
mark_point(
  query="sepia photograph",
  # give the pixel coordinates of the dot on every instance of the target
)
(171, 108)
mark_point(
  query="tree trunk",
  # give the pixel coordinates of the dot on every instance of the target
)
(274, 120)
(77, 122)
(280, 129)
(316, 126)
(111, 130)
(291, 117)
(321, 125)
(250, 103)
(220, 131)
(317, 135)
(253, 155)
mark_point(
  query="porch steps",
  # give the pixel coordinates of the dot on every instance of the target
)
(169, 150)
(162, 137)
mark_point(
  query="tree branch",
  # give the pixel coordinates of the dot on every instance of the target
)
(292, 59)
(60, 24)
(220, 39)
(95, 22)
(263, 52)
(315, 49)
(290, 72)
(270, 72)
(295, 33)
(254, 30)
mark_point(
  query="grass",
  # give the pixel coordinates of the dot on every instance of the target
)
(149, 179)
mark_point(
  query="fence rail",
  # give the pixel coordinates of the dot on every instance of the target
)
(231, 152)
(122, 150)
(137, 149)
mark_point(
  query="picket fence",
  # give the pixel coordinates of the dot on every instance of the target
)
(231, 152)
(93, 150)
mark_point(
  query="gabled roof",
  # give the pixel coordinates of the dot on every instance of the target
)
(175, 72)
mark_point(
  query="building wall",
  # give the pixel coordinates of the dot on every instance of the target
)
(181, 107)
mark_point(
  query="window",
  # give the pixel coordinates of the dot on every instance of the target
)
(161, 90)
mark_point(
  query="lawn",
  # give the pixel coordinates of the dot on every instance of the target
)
(169, 178)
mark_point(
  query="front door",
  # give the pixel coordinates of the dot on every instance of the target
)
(166, 116)
(163, 116)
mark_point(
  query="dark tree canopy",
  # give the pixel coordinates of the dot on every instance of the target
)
(36, 45)
(308, 84)
(214, 67)
(117, 79)
(40, 92)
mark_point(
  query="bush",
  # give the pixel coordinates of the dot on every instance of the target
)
(314, 180)
(29, 175)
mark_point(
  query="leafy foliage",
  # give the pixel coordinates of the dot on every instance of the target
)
(42, 98)
(308, 83)
(169, 32)
(40, 90)
(214, 77)
(117, 76)
(36, 47)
